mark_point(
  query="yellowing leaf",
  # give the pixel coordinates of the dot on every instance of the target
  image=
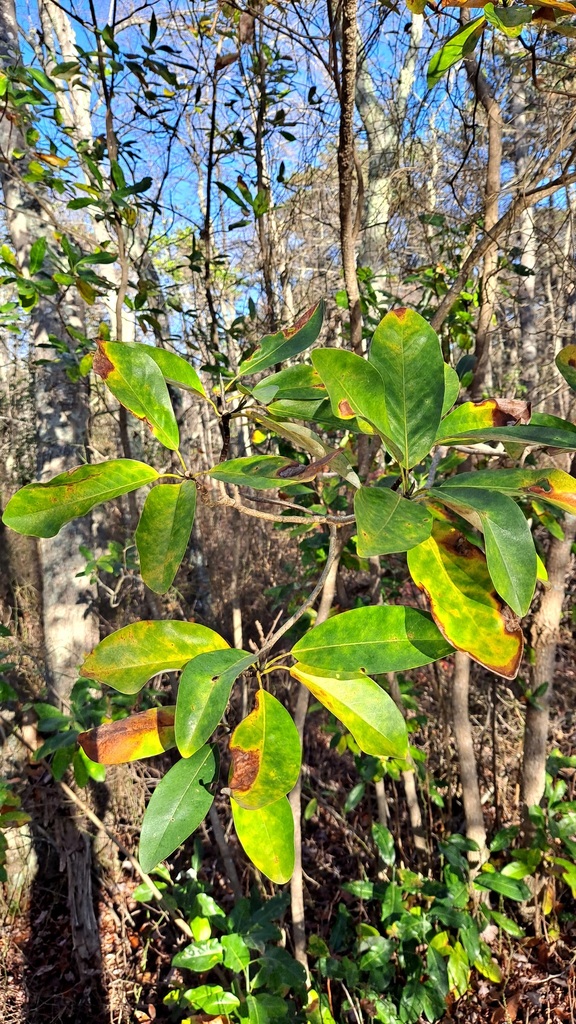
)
(130, 739)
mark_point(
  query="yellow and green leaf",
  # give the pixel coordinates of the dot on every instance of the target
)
(130, 739)
(266, 754)
(136, 380)
(267, 837)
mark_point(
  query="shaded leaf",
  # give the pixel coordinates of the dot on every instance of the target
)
(179, 803)
(274, 348)
(512, 888)
(451, 388)
(163, 532)
(40, 510)
(387, 522)
(128, 658)
(512, 21)
(535, 436)
(366, 710)
(135, 379)
(382, 638)
(402, 344)
(510, 551)
(203, 693)
(301, 383)
(454, 576)
(267, 837)
(266, 754)
(130, 739)
(258, 471)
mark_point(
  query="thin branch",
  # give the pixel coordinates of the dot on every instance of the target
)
(256, 513)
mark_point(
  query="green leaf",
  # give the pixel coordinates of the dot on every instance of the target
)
(237, 955)
(102, 257)
(356, 389)
(534, 436)
(511, 888)
(37, 254)
(203, 694)
(173, 367)
(41, 510)
(179, 803)
(163, 532)
(200, 956)
(454, 576)
(507, 924)
(266, 754)
(566, 363)
(128, 658)
(285, 344)
(511, 20)
(451, 388)
(366, 710)
(262, 472)
(402, 345)
(130, 739)
(267, 837)
(510, 551)
(136, 381)
(387, 522)
(212, 998)
(233, 196)
(492, 412)
(549, 485)
(454, 49)
(382, 638)
(299, 383)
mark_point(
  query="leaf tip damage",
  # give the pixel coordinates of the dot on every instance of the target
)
(101, 364)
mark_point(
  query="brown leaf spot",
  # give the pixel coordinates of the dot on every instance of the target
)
(101, 364)
(400, 313)
(345, 409)
(289, 332)
(115, 742)
(507, 412)
(572, 362)
(245, 765)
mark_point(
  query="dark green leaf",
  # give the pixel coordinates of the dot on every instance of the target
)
(387, 522)
(203, 693)
(163, 532)
(285, 344)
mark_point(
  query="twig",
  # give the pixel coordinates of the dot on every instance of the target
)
(329, 520)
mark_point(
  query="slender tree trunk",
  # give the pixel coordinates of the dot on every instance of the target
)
(545, 631)
(475, 828)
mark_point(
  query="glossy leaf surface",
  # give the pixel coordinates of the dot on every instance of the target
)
(454, 576)
(566, 363)
(381, 638)
(356, 389)
(454, 49)
(301, 383)
(203, 693)
(179, 803)
(41, 510)
(275, 348)
(510, 551)
(135, 379)
(387, 522)
(130, 739)
(402, 345)
(163, 532)
(267, 837)
(550, 485)
(534, 436)
(266, 754)
(366, 710)
(493, 412)
(128, 658)
(173, 367)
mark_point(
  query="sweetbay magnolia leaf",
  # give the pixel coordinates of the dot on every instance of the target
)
(163, 532)
(266, 754)
(285, 343)
(130, 739)
(136, 380)
(267, 837)
(203, 694)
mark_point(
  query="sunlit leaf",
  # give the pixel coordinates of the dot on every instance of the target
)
(566, 363)
(266, 754)
(203, 693)
(179, 803)
(402, 344)
(356, 389)
(453, 574)
(262, 472)
(458, 46)
(275, 348)
(366, 710)
(510, 551)
(550, 485)
(135, 379)
(173, 367)
(381, 638)
(130, 739)
(128, 658)
(40, 510)
(451, 388)
(492, 412)
(267, 837)
(163, 532)
(387, 522)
